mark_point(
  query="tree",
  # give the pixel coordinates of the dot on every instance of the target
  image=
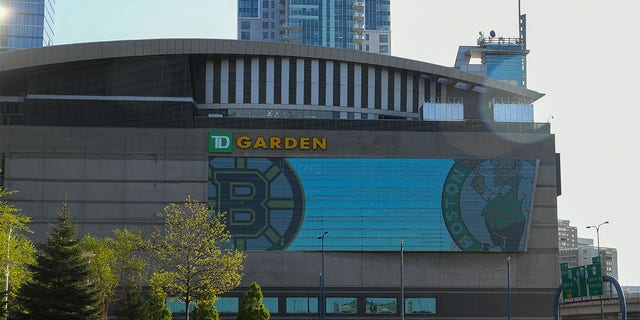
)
(113, 260)
(205, 308)
(193, 253)
(252, 307)
(131, 306)
(18, 251)
(61, 287)
(157, 302)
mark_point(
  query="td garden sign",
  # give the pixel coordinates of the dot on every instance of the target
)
(225, 142)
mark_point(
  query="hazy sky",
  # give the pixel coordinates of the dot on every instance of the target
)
(581, 58)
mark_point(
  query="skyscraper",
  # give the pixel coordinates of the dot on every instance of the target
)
(26, 24)
(346, 24)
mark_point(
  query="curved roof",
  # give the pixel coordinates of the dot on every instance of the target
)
(70, 53)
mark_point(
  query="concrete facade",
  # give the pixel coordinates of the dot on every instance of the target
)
(116, 176)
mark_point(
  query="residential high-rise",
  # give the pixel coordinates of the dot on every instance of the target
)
(345, 24)
(26, 24)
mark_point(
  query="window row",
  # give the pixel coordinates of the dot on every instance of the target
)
(333, 305)
(313, 82)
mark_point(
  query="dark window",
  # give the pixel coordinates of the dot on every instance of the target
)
(336, 83)
(307, 81)
(384, 49)
(245, 35)
(277, 81)
(322, 83)
(246, 82)
(232, 81)
(262, 77)
(245, 25)
(391, 91)
(416, 92)
(384, 38)
(378, 86)
(364, 92)
(350, 84)
(216, 81)
(293, 79)
(403, 91)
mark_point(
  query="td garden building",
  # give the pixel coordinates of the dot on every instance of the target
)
(317, 154)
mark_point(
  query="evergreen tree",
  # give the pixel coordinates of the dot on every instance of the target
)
(60, 288)
(157, 302)
(131, 305)
(3, 306)
(252, 307)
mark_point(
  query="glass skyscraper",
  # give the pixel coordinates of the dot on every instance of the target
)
(26, 24)
(347, 24)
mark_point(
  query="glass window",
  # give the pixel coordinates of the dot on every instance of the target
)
(342, 305)
(384, 38)
(420, 305)
(265, 15)
(265, 25)
(381, 305)
(302, 305)
(265, 35)
(245, 35)
(366, 37)
(265, 4)
(367, 48)
(384, 49)
(227, 305)
(176, 305)
(245, 25)
(271, 303)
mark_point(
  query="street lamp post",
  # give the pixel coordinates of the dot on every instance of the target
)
(509, 288)
(598, 241)
(402, 280)
(321, 304)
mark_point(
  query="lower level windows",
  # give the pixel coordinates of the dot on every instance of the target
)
(381, 305)
(302, 305)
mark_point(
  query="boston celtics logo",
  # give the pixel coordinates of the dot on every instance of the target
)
(486, 204)
(263, 198)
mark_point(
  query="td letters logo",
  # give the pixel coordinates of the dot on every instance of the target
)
(220, 142)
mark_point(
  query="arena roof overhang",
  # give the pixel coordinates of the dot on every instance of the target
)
(74, 53)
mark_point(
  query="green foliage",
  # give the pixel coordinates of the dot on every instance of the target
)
(190, 254)
(61, 288)
(205, 309)
(157, 301)
(252, 307)
(3, 306)
(131, 305)
(112, 260)
(17, 250)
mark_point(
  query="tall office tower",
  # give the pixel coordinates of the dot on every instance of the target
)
(26, 24)
(345, 24)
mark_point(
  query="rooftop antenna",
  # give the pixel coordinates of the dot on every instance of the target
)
(522, 29)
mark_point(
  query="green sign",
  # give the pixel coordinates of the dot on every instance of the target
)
(220, 142)
(594, 277)
(576, 281)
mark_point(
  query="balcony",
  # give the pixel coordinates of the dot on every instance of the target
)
(292, 26)
(358, 39)
(358, 28)
(358, 6)
(358, 17)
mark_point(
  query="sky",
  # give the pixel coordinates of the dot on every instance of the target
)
(581, 59)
